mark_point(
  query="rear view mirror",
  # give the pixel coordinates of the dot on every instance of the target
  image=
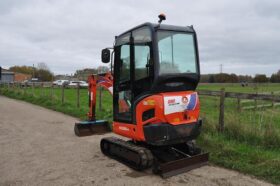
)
(105, 55)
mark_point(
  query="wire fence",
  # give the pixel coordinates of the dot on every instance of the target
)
(274, 99)
(251, 117)
(55, 93)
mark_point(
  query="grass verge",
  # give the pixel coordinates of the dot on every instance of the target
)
(253, 160)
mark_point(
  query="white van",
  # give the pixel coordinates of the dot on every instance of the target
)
(61, 82)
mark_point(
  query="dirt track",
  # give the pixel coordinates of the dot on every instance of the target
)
(38, 147)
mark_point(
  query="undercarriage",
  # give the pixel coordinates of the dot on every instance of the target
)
(165, 161)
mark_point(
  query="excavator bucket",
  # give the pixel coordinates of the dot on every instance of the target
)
(88, 128)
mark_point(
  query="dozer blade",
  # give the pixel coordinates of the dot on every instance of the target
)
(87, 128)
(175, 167)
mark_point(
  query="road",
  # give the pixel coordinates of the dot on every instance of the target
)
(38, 147)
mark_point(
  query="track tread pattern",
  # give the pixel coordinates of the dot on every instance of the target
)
(142, 154)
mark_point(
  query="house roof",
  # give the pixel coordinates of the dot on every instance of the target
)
(8, 72)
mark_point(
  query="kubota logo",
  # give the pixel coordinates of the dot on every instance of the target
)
(171, 101)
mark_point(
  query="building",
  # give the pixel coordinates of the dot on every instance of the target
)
(7, 76)
(20, 77)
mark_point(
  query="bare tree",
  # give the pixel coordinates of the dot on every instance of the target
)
(42, 66)
(43, 72)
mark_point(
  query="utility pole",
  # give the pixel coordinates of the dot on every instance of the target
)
(33, 72)
(221, 68)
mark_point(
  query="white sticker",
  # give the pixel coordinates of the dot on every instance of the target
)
(173, 104)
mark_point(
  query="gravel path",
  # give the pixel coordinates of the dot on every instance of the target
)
(38, 147)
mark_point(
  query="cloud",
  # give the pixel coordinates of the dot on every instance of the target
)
(69, 34)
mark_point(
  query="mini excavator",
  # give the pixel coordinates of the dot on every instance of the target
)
(155, 71)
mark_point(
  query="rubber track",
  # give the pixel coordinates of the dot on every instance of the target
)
(143, 155)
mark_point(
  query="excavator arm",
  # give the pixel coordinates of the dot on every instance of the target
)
(102, 80)
(91, 125)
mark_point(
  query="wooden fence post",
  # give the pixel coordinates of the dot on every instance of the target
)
(21, 88)
(100, 98)
(62, 93)
(42, 91)
(272, 103)
(24, 88)
(16, 88)
(238, 104)
(11, 86)
(78, 95)
(33, 89)
(222, 110)
(51, 92)
(256, 103)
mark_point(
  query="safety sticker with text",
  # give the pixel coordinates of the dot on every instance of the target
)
(173, 104)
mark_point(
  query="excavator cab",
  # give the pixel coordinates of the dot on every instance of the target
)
(151, 60)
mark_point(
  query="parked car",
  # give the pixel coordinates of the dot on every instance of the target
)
(35, 80)
(61, 82)
(30, 82)
(83, 84)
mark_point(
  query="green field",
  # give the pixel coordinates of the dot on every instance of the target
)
(251, 141)
(249, 144)
(265, 88)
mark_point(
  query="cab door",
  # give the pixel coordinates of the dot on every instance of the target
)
(132, 71)
(123, 94)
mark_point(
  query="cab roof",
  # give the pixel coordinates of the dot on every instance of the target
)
(155, 26)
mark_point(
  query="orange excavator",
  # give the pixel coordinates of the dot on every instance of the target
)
(155, 71)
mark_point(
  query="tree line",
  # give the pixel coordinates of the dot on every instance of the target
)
(233, 78)
(41, 71)
(84, 73)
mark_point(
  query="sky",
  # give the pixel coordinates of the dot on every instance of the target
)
(242, 35)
